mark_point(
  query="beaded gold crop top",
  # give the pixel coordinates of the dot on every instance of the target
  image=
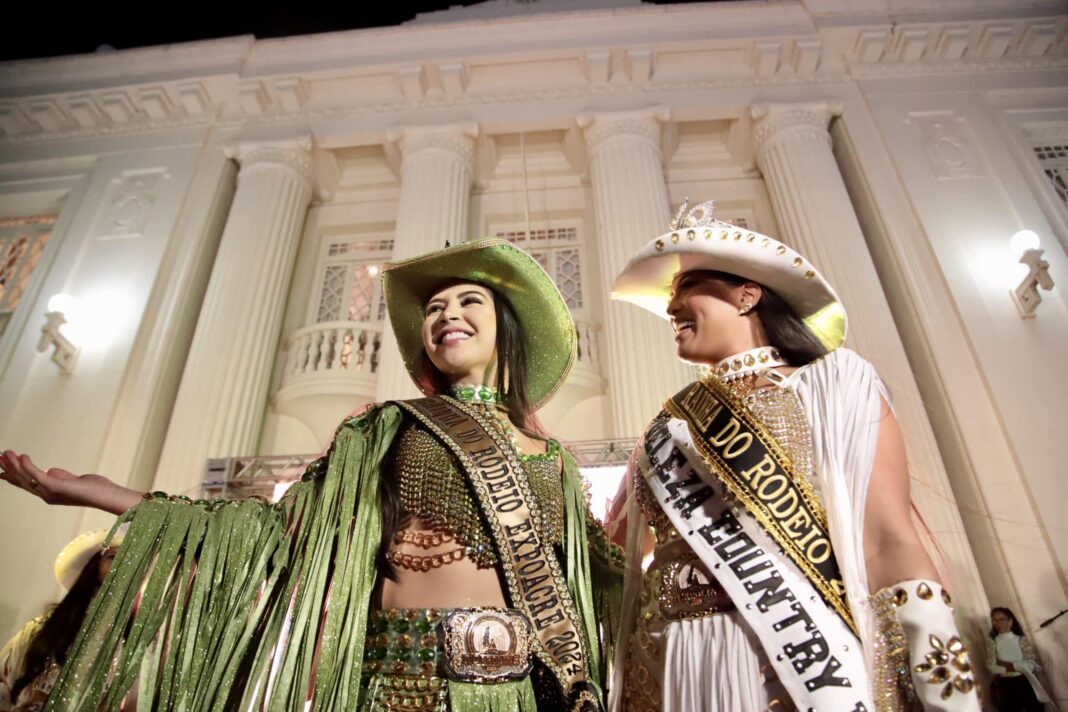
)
(780, 411)
(435, 490)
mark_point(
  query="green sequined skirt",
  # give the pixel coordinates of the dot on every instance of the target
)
(401, 671)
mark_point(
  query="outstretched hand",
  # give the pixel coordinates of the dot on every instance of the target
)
(59, 486)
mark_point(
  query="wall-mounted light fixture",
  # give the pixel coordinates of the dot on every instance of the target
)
(1025, 244)
(60, 309)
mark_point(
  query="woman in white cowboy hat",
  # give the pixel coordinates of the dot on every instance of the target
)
(435, 558)
(30, 661)
(779, 496)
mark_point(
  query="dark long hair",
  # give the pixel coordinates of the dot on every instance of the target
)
(1016, 627)
(511, 358)
(55, 637)
(784, 328)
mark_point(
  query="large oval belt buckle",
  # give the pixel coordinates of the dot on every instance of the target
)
(689, 590)
(485, 645)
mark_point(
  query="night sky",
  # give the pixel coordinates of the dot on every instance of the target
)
(41, 29)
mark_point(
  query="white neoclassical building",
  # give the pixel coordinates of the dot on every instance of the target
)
(216, 214)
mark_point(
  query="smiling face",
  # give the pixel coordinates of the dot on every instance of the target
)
(1001, 621)
(460, 333)
(705, 315)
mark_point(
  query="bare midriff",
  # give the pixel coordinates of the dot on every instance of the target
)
(457, 584)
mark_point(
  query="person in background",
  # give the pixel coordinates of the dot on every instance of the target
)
(30, 661)
(1011, 658)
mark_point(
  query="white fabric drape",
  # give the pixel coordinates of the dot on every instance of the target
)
(842, 398)
(841, 395)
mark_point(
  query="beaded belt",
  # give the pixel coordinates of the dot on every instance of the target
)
(685, 588)
(481, 645)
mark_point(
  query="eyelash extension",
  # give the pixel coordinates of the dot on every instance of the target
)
(682, 285)
(472, 299)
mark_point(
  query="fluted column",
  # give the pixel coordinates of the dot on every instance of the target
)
(223, 394)
(815, 214)
(436, 170)
(631, 205)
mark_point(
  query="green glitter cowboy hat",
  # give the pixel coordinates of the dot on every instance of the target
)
(540, 309)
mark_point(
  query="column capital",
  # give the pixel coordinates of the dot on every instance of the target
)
(602, 128)
(404, 142)
(772, 120)
(293, 154)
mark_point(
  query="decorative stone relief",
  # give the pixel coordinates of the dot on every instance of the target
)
(131, 199)
(351, 90)
(106, 111)
(945, 143)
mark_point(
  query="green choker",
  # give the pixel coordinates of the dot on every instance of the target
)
(479, 395)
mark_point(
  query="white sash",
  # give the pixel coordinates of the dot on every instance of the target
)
(817, 657)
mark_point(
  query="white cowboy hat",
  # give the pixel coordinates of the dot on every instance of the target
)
(700, 242)
(76, 554)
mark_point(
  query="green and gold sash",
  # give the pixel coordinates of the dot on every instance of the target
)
(535, 580)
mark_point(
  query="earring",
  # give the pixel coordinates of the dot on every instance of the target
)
(504, 381)
(746, 308)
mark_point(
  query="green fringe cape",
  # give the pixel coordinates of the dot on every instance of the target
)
(247, 604)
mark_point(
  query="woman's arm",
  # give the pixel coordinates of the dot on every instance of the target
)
(1030, 660)
(615, 519)
(993, 663)
(892, 548)
(58, 486)
(909, 596)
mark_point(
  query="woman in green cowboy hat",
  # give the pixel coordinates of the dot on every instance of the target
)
(778, 495)
(435, 558)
